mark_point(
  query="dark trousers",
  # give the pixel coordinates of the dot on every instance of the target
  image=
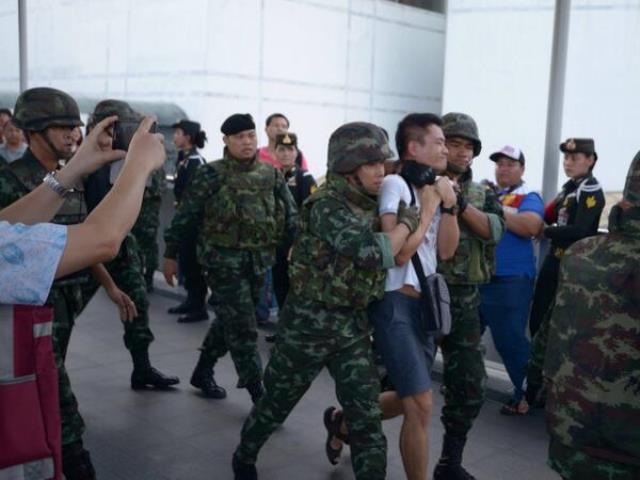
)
(545, 292)
(280, 272)
(194, 281)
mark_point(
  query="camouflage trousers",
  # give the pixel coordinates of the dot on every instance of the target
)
(235, 278)
(67, 302)
(126, 270)
(574, 464)
(535, 377)
(297, 359)
(146, 236)
(464, 375)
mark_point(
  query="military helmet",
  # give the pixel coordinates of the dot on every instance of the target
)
(462, 125)
(355, 144)
(107, 108)
(43, 107)
(632, 185)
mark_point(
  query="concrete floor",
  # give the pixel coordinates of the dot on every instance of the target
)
(179, 435)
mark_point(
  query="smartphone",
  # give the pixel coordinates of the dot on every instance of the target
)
(123, 133)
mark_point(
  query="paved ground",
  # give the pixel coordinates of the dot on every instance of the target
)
(179, 435)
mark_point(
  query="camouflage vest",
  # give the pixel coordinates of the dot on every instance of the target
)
(474, 261)
(319, 273)
(30, 173)
(244, 212)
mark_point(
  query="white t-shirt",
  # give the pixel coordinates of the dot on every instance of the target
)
(29, 258)
(394, 189)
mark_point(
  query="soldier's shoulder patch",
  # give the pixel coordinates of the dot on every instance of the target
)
(591, 201)
(313, 188)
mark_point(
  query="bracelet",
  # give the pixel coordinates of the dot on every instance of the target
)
(54, 184)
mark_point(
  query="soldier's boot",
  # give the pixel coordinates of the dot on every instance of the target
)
(243, 471)
(144, 375)
(181, 308)
(256, 390)
(449, 466)
(194, 316)
(76, 462)
(202, 378)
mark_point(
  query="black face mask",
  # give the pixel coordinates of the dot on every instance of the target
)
(417, 174)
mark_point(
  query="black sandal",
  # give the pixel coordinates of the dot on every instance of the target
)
(332, 424)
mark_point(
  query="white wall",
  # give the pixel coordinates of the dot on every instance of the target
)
(321, 62)
(497, 69)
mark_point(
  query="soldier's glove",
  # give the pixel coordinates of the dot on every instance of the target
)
(462, 203)
(408, 216)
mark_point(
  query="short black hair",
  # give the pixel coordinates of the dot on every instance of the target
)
(276, 115)
(6, 111)
(412, 127)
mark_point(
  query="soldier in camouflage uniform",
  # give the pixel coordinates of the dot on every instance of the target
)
(48, 116)
(482, 225)
(146, 228)
(592, 366)
(243, 209)
(128, 266)
(338, 267)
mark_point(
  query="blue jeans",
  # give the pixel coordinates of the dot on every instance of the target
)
(504, 308)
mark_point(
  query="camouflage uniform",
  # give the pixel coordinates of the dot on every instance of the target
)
(464, 375)
(242, 211)
(146, 227)
(337, 267)
(592, 365)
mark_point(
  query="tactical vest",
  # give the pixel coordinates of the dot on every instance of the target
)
(244, 212)
(475, 260)
(319, 273)
(30, 173)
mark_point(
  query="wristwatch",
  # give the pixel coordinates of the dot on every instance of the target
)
(54, 184)
(452, 210)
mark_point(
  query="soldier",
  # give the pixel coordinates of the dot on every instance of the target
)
(592, 364)
(48, 116)
(481, 224)
(338, 267)
(188, 137)
(128, 267)
(146, 228)
(243, 210)
(574, 214)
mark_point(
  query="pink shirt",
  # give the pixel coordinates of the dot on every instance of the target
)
(265, 157)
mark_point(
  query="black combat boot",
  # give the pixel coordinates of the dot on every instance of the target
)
(144, 375)
(256, 390)
(202, 378)
(450, 465)
(243, 471)
(193, 316)
(76, 462)
(184, 307)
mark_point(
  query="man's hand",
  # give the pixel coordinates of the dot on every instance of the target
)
(146, 147)
(429, 199)
(170, 270)
(444, 187)
(408, 216)
(126, 307)
(90, 156)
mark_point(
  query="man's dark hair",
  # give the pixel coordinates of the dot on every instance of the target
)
(413, 127)
(6, 111)
(276, 115)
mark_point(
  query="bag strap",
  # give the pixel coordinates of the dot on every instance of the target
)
(413, 195)
(415, 259)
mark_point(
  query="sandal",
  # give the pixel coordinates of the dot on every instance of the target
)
(515, 408)
(332, 422)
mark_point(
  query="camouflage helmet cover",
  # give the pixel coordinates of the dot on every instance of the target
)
(632, 185)
(355, 144)
(462, 125)
(43, 107)
(107, 108)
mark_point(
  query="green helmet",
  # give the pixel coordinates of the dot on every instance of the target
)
(462, 125)
(107, 108)
(43, 107)
(355, 144)
(632, 185)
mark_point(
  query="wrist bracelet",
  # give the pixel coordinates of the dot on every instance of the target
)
(54, 184)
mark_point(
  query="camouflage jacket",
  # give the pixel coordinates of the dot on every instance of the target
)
(340, 258)
(593, 358)
(474, 261)
(149, 217)
(233, 205)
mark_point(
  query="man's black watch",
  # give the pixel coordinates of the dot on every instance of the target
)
(452, 210)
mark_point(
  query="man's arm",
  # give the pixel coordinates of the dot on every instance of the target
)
(283, 193)
(523, 224)
(488, 223)
(126, 307)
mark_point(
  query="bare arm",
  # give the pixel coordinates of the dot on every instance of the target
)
(126, 307)
(525, 224)
(448, 236)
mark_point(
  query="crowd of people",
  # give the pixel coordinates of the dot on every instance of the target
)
(390, 258)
